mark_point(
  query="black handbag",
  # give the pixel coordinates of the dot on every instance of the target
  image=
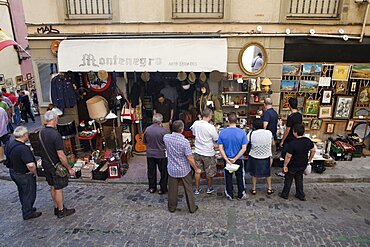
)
(249, 145)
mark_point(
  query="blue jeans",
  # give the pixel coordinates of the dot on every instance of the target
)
(239, 180)
(26, 185)
(17, 115)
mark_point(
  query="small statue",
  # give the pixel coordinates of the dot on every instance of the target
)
(253, 84)
(258, 84)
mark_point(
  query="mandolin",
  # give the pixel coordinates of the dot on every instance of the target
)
(139, 144)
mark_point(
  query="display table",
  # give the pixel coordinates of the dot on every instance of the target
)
(89, 139)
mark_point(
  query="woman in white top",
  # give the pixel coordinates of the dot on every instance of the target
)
(259, 159)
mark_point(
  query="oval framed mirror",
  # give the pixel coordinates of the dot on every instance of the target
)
(252, 58)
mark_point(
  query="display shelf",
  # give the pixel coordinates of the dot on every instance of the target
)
(256, 103)
(233, 105)
(240, 117)
(235, 92)
(258, 92)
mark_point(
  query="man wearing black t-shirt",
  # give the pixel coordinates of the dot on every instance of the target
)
(53, 154)
(165, 107)
(296, 161)
(293, 119)
(22, 169)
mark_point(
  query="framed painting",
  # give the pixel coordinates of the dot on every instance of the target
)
(311, 107)
(316, 124)
(327, 95)
(325, 82)
(360, 71)
(341, 72)
(8, 82)
(289, 85)
(363, 97)
(113, 171)
(325, 112)
(2, 79)
(312, 69)
(300, 103)
(361, 112)
(19, 79)
(341, 87)
(349, 125)
(353, 87)
(330, 128)
(291, 69)
(343, 107)
(285, 103)
(306, 123)
(308, 86)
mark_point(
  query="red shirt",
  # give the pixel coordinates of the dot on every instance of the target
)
(6, 94)
(12, 98)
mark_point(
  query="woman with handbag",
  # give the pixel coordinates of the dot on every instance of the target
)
(259, 160)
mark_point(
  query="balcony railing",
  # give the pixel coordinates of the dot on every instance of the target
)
(314, 8)
(197, 8)
(89, 9)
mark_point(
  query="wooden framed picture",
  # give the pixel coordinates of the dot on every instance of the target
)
(306, 123)
(300, 103)
(308, 86)
(325, 82)
(361, 111)
(316, 124)
(349, 125)
(289, 85)
(360, 71)
(2, 79)
(341, 87)
(330, 128)
(291, 69)
(363, 97)
(343, 107)
(327, 95)
(312, 69)
(285, 103)
(9, 82)
(353, 87)
(311, 107)
(19, 79)
(341, 72)
(113, 171)
(325, 112)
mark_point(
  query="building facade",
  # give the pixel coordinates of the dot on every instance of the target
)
(289, 30)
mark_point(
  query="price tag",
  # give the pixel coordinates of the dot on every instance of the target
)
(236, 106)
(339, 155)
(361, 117)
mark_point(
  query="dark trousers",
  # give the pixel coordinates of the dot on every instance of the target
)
(298, 178)
(152, 172)
(24, 112)
(239, 180)
(173, 186)
(26, 185)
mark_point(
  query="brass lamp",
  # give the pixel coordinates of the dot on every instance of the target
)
(266, 83)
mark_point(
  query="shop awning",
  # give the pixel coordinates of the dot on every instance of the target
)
(164, 55)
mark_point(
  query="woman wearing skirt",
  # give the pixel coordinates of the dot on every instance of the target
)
(259, 160)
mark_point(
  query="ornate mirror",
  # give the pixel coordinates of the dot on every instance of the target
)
(252, 58)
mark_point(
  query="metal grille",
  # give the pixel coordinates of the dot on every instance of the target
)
(89, 8)
(198, 8)
(314, 8)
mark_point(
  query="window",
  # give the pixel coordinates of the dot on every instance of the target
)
(89, 9)
(314, 8)
(197, 8)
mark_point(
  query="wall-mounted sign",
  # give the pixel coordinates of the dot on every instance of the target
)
(167, 55)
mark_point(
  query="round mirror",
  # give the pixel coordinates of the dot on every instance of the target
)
(252, 58)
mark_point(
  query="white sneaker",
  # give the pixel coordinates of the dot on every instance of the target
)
(210, 190)
(244, 196)
(230, 198)
(197, 192)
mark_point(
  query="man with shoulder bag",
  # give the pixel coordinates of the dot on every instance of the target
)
(54, 161)
(22, 169)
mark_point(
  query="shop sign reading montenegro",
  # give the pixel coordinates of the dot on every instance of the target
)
(165, 55)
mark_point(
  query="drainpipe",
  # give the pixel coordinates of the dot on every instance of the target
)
(364, 23)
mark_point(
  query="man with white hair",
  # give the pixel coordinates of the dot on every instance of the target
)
(51, 155)
(156, 154)
(22, 169)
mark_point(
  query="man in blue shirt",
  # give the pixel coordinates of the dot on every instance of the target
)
(233, 143)
(180, 158)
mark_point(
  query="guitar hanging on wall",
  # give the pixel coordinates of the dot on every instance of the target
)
(139, 144)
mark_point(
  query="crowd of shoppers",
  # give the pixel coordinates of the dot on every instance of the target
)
(173, 156)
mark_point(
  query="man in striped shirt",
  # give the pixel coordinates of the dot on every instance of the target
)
(180, 158)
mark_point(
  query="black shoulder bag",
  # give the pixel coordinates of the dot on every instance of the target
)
(249, 145)
(60, 169)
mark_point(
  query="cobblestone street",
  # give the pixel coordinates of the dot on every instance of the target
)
(126, 215)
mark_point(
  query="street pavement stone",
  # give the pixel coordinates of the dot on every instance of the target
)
(127, 215)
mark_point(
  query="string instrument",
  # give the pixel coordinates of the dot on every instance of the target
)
(139, 144)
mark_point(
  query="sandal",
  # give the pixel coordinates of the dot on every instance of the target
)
(270, 191)
(253, 192)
